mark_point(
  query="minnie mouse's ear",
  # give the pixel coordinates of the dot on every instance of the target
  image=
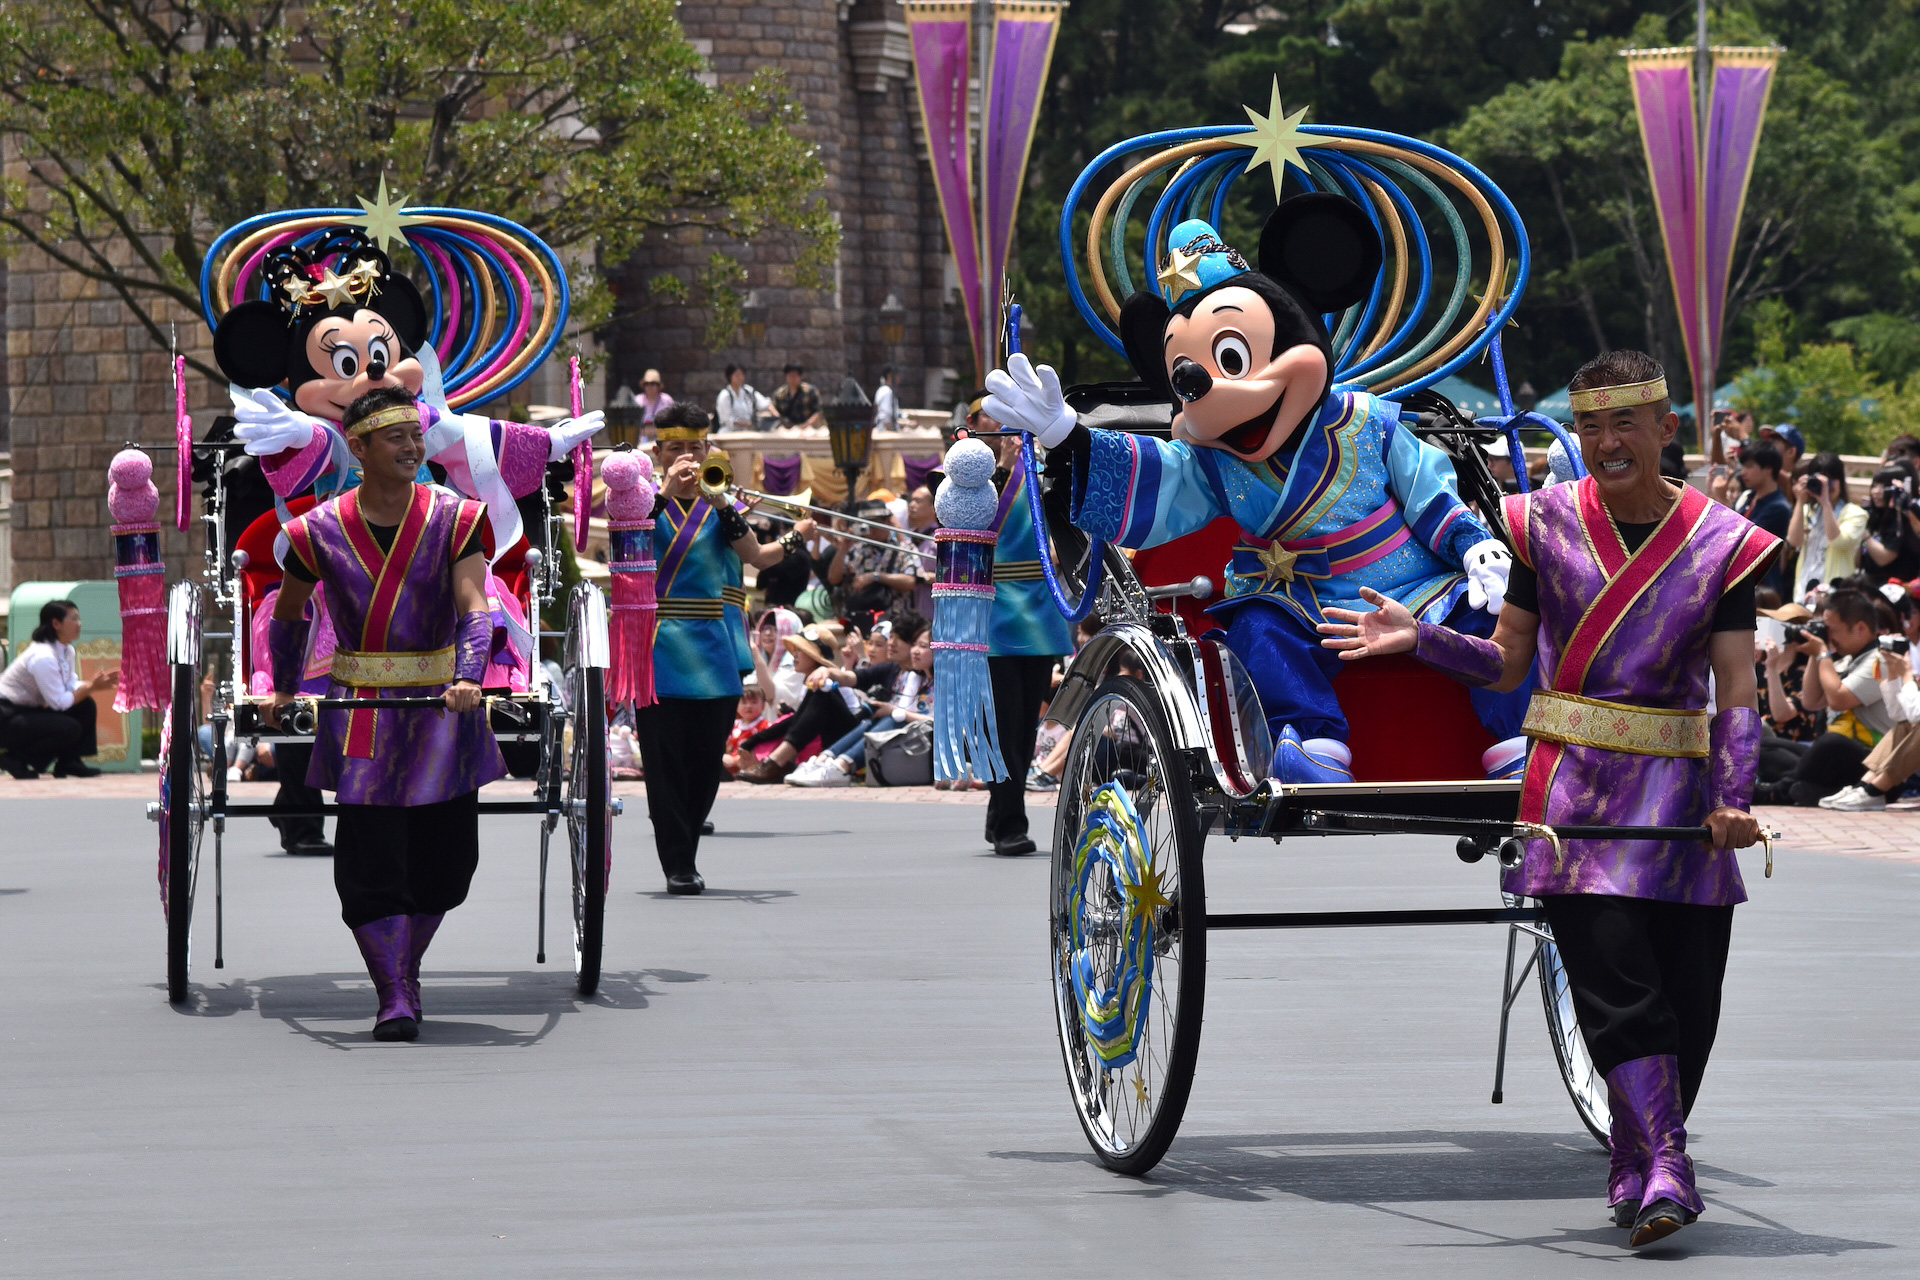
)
(400, 303)
(1322, 249)
(250, 344)
(1143, 332)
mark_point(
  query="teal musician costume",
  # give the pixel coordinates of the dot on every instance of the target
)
(699, 647)
(1028, 636)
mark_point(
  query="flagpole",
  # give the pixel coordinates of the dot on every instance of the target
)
(1703, 90)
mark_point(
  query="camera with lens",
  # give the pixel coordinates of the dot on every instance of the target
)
(1894, 644)
(1815, 628)
(1816, 485)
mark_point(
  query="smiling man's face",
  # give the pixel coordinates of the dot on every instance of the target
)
(1621, 447)
(1257, 397)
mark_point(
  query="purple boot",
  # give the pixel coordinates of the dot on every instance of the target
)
(1646, 1094)
(424, 928)
(385, 944)
(1628, 1158)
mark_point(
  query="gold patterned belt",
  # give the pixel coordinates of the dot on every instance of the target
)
(398, 670)
(735, 596)
(1017, 571)
(695, 607)
(1614, 726)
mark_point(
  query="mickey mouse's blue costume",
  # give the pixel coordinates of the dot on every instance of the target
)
(1331, 493)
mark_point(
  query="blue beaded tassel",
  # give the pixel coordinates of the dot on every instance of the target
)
(964, 730)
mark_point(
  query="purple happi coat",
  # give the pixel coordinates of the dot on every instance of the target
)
(1629, 628)
(387, 607)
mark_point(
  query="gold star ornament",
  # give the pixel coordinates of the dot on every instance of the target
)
(334, 290)
(1181, 273)
(1139, 1083)
(1147, 897)
(1276, 139)
(383, 220)
(1278, 562)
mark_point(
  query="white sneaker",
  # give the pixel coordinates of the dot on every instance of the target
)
(835, 774)
(1845, 793)
(806, 773)
(1856, 800)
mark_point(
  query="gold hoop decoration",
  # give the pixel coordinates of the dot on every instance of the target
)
(1379, 354)
(472, 262)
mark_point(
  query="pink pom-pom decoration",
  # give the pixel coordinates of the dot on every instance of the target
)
(135, 503)
(630, 498)
(630, 490)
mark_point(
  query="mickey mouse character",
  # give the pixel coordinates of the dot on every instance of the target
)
(1330, 492)
(330, 333)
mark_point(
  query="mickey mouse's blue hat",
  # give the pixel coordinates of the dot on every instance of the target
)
(1197, 258)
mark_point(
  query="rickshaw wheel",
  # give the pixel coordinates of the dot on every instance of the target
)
(180, 826)
(1586, 1086)
(1112, 918)
(589, 803)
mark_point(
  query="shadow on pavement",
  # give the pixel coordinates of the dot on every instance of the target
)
(721, 833)
(738, 895)
(336, 1009)
(1434, 1166)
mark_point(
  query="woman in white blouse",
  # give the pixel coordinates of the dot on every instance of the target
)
(46, 710)
(739, 406)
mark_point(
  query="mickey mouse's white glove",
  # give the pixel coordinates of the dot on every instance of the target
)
(1029, 399)
(1488, 565)
(266, 424)
(567, 433)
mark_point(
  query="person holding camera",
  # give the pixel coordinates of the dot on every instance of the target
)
(1845, 671)
(1826, 528)
(1891, 548)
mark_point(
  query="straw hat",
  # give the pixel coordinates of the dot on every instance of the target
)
(1788, 612)
(816, 642)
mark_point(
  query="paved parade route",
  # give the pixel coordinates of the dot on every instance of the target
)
(841, 1061)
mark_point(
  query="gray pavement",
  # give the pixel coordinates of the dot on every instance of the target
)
(841, 1062)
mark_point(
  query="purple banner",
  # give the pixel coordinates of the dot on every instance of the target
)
(1663, 93)
(1741, 81)
(942, 53)
(782, 474)
(1022, 50)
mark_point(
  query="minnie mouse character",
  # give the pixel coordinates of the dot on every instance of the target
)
(1330, 492)
(341, 321)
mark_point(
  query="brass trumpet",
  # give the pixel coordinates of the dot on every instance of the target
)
(716, 486)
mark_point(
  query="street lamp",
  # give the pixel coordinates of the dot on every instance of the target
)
(753, 318)
(850, 430)
(893, 321)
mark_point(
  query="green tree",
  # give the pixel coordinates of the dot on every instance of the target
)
(143, 127)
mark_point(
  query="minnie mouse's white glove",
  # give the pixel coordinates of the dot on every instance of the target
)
(1488, 565)
(1029, 399)
(266, 424)
(567, 433)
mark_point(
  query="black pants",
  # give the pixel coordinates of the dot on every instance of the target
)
(1021, 686)
(1779, 756)
(1832, 761)
(1646, 978)
(397, 860)
(39, 735)
(822, 714)
(292, 760)
(681, 741)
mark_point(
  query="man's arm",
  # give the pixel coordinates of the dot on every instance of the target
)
(1731, 653)
(1834, 694)
(469, 596)
(765, 555)
(1389, 628)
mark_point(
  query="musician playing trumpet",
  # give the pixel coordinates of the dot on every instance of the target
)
(702, 544)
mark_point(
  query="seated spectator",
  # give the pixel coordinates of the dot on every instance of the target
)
(863, 577)
(1894, 760)
(898, 695)
(797, 403)
(749, 718)
(1845, 670)
(780, 683)
(831, 706)
(654, 400)
(47, 711)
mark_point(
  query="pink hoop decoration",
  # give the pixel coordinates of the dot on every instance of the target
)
(525, 291)
(182, 447)
(582, 468)
(445, 262)
(253, 263)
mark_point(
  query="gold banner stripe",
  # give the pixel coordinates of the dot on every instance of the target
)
(1614, 726)
(396, 670)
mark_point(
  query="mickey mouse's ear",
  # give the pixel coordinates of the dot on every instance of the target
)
(400, 302)
(1321, 248)
(250, 344)
(1143, 332)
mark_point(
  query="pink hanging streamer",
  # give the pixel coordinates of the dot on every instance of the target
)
(582, 468)
(182, 446)
(135, 501)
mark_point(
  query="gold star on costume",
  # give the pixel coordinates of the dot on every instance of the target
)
(296, 287)
(1140, 1088)
(1276, 139)
(383, 219)
(1181, 273)
(1149, 895)
(1279, 563)
(335, 291)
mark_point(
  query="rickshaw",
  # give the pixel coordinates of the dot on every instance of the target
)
(1169, 743)
(553, 730)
